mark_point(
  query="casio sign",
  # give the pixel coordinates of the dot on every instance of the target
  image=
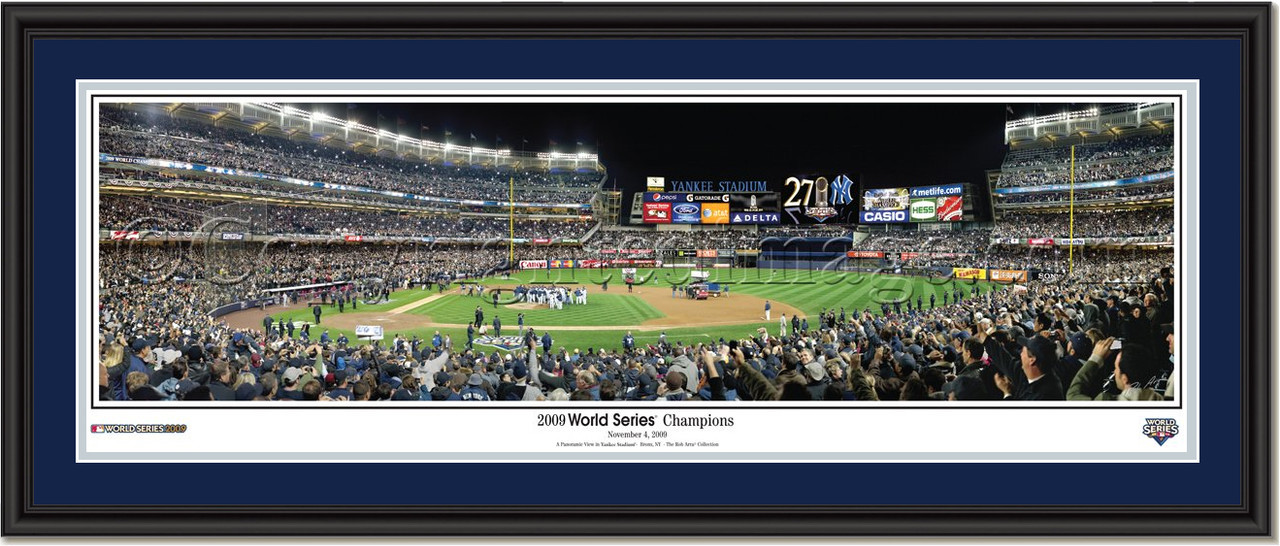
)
(884, 216)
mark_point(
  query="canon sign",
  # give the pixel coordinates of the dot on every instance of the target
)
(883, 216)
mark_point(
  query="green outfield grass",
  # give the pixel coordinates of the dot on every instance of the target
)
(601, 310)
(809, 291)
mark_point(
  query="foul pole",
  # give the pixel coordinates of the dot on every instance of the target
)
(511, 222)
(1071, 221)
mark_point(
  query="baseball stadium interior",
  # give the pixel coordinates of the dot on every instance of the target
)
(258, 251)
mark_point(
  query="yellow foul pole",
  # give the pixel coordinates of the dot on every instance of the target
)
(511, 221)
(1071, 222)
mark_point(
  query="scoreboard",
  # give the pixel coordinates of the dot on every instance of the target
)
(802, 200)
(916, 204)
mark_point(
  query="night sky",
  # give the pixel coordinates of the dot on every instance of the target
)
(888, 145)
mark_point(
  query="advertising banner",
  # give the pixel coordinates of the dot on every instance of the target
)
(883, 217)
(353, 238)
(1008, 275)
(608, 251)
(657, 213)
(569, 241)
(950, 209)
(715, 213)
(533, 264)
(908, 256)
(864, 254)
(753, 202)
(635, 251)
(667, 197)
(1040, 242)
(1144, 179)
(232, 236)
(542, 241)
(936, 191)
(924, 210)
(754, 208)
(881, 199)
(686, 213)
(969, 273)
(754, 218)
(707, 254)
(655, 183)
(124, 236)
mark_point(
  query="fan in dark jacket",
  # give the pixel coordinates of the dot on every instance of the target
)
(1031, 377)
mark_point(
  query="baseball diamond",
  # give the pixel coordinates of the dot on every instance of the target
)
(307, 253)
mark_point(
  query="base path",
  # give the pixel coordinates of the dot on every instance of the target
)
(680, 313)
(415, 304)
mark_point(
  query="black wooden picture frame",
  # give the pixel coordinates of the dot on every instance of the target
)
(1248, 24)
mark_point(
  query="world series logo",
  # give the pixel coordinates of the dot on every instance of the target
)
(509, 343)
(1160, 430)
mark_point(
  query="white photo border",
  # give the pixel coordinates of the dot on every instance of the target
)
(760, 433)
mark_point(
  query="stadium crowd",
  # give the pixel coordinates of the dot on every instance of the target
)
(953, 241)
(1051, 341)
(187, 214)
(133, 134)
(1133, 156)
(1093, 223)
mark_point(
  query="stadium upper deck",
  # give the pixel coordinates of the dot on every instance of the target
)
(190, 147)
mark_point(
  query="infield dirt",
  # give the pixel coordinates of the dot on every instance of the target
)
(679, 311)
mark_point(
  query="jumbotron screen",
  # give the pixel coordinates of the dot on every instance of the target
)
(917, 204)
(802, 200)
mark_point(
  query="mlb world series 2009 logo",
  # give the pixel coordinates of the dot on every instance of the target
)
(1160, 430)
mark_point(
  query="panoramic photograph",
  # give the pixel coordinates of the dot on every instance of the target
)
(443, 253)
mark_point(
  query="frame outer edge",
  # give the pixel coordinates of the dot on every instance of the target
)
(1251, 23)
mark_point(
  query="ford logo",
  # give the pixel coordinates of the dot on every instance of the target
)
(686, 209)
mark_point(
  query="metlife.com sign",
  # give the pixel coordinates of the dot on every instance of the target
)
(937, 191)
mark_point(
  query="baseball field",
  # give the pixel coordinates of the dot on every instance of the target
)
(648, 310)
